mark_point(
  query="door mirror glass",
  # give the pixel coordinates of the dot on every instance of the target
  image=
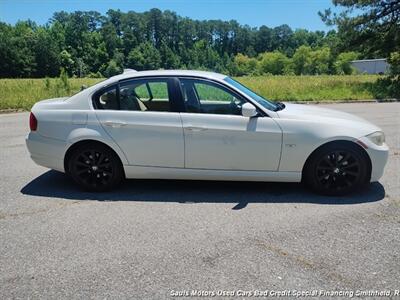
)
(249, 110)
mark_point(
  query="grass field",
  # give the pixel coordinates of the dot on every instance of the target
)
(313, 88)
(23, 93)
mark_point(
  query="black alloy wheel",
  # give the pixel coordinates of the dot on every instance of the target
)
(95, 167)
(337, 169)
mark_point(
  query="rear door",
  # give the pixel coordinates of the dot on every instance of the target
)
(218, 137)
(142, 117)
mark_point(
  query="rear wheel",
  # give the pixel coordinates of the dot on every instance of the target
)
(337, 169)
(95, 167)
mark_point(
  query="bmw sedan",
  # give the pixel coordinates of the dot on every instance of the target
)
(201, 126)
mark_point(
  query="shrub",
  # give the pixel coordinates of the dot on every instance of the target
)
(244, 65)
(342, 64)
(63, 81)
(273, 62)
(112, 69)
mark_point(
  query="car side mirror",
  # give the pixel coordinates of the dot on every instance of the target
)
(249, 110)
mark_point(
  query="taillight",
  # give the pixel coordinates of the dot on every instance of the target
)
(32, 122)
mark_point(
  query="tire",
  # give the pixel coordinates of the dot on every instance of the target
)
(95, 167)
(337, 169)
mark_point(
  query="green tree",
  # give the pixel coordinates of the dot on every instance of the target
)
(244, 65)
(263, 39)
(372, 27)
(112, 69)
(282, 39)
(6, 50)
(144, 57)
(66, 62)
(19, 50)
(46, 54)
(169, 59)
(273, 62)
(202, 56)
(301, 60)
(85, 43)
(111, 39)
(343, 62)
(321, 61)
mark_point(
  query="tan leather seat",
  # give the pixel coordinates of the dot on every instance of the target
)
(141, 105)
(110, 100)
(130, 101)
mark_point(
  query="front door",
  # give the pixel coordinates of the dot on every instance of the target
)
(218, 137)
(141, 117)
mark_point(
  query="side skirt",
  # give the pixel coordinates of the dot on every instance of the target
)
(140, 172)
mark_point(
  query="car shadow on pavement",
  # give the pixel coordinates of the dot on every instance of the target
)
(57, 185)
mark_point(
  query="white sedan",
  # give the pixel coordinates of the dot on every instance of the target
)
(200, 126)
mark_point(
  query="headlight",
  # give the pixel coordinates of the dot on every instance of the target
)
(378, 138)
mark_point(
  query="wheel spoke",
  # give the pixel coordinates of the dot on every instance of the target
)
(345, 158)
(337, 170)
(104, 164)
(352, 173)
(100, 159)
(82, 171)
(327, 184)
(93, 168)
(328, 161)
(323, 176)
(81, 164)
(85, 156)
(324, 168)
(93, 155)
(352, 165)
(337, 157)
(348, 182)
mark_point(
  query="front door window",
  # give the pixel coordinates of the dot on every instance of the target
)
(202, 96)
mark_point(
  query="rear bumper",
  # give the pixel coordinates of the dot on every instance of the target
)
(46, 152)
(379, 157)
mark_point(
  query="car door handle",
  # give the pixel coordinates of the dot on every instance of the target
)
(114, 124)
(195, 128)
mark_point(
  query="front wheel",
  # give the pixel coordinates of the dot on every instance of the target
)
(95, 167)
(337, 169)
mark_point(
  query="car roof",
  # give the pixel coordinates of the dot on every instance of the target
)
(132, 74)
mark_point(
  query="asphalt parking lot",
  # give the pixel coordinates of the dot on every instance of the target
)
(151, 238)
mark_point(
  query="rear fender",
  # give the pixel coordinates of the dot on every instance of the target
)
(87, 134)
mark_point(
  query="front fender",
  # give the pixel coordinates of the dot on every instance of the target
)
(301, 137)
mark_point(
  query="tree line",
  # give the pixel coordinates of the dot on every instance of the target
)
(89, 44)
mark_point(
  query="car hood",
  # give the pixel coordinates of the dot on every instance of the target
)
(306, 111)
(321, 114)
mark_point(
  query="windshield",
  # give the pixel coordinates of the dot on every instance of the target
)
(264, 102)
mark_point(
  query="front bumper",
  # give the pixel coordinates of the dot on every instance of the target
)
(379, 157)
(46, 152)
